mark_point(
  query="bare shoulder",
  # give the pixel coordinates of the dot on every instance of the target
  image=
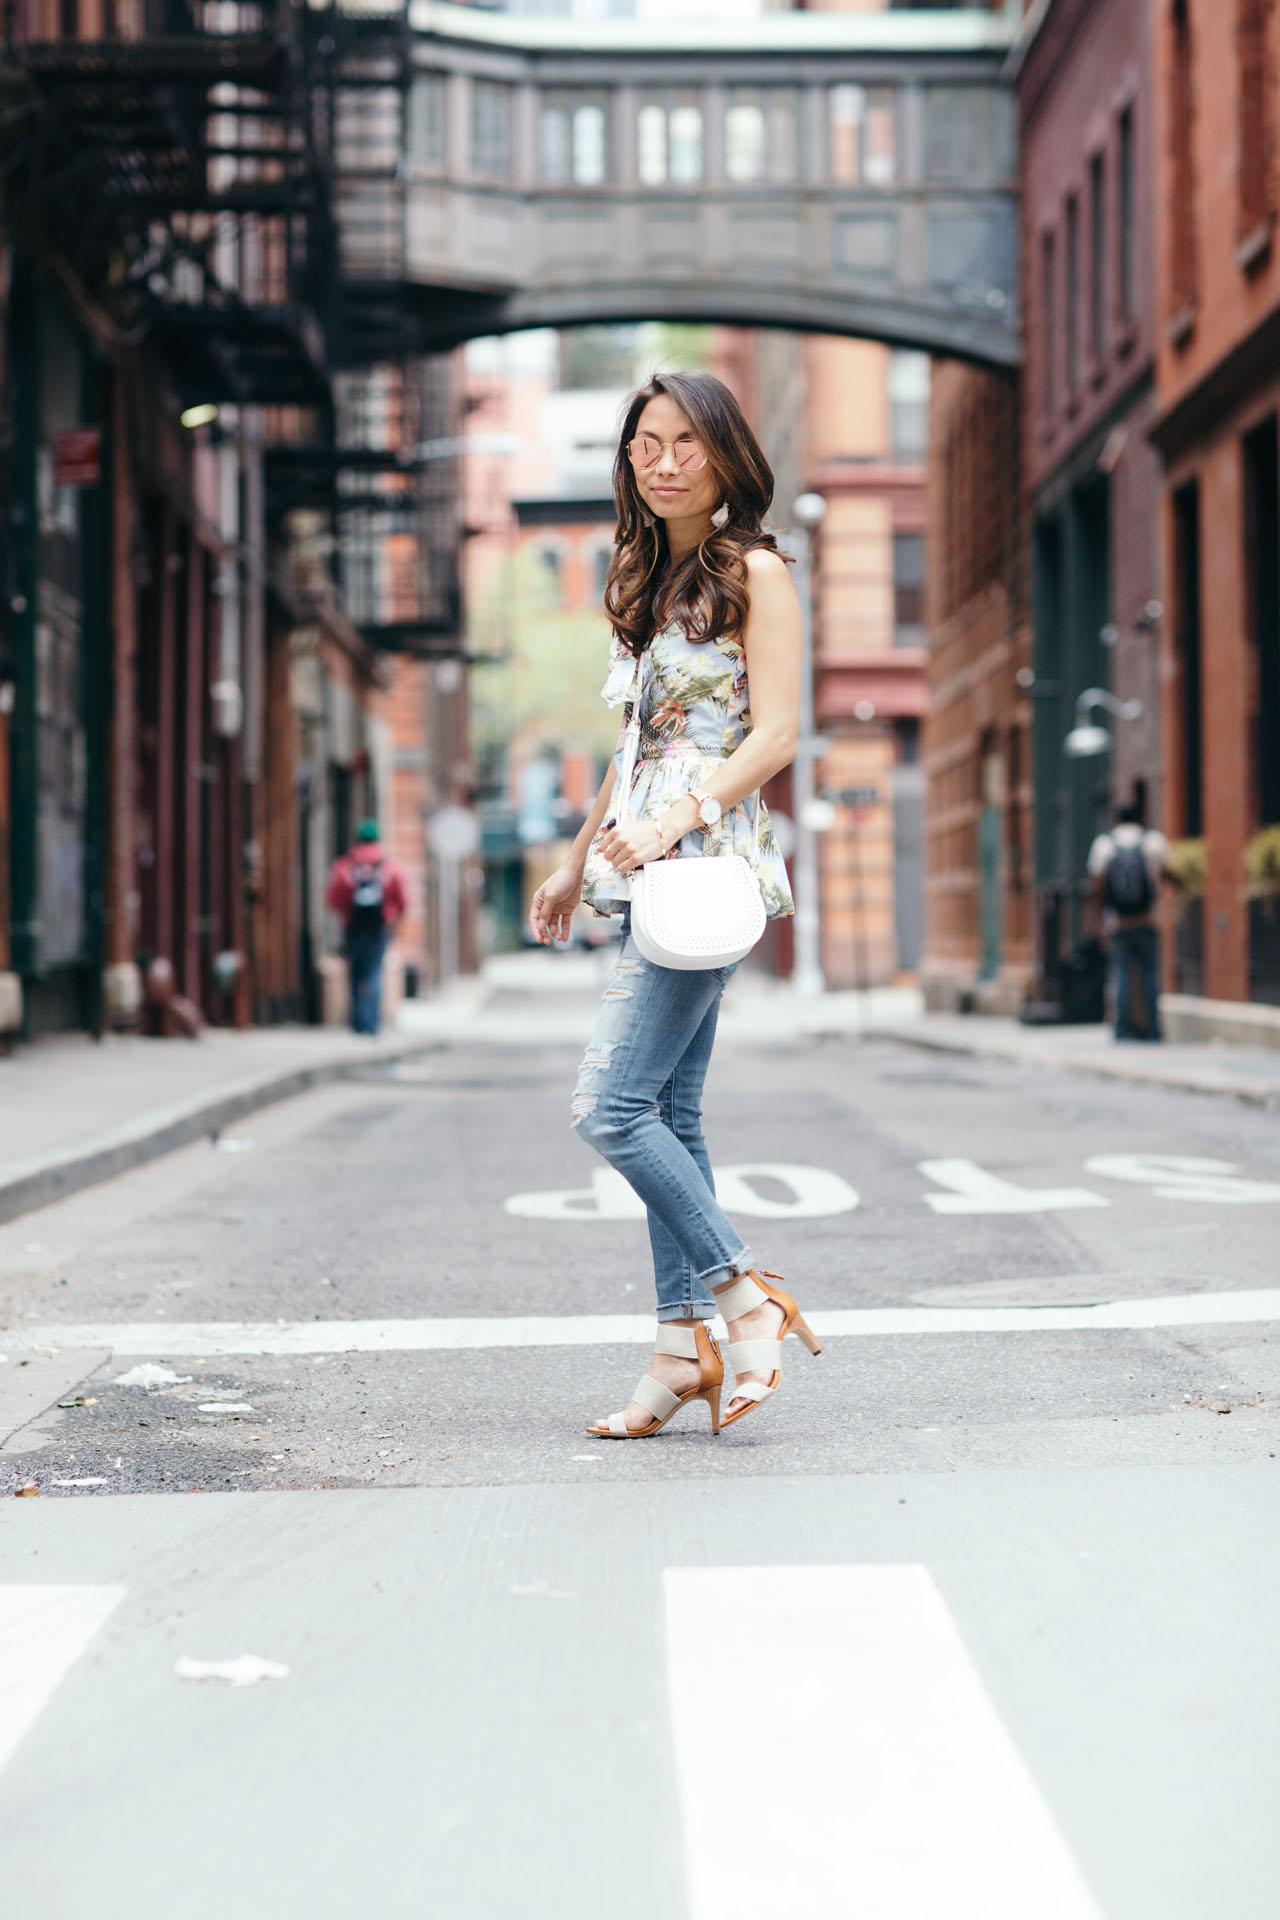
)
(769, 587)
(765, 567)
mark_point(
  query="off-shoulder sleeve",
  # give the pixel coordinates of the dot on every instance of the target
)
(620, 686)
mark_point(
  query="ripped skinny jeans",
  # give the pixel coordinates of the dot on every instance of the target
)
(639, 1103)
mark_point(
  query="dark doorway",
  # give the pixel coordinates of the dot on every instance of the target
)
(1262, 574)
(1186, 561)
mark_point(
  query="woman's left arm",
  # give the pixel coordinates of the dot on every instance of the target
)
(772, 644)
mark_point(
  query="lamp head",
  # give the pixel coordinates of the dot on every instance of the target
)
(1086, 742)
(810, 510)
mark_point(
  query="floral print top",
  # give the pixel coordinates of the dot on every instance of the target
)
(695, 713)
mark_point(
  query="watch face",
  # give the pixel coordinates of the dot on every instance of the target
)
(710, 811)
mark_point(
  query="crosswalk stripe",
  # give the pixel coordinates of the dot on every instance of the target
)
(868, 1774)
(214, 1338)
(43, 1632)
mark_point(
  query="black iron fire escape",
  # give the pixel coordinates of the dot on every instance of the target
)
(180, 164)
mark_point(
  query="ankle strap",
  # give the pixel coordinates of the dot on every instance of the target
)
(675, 1339)
(741, 1296)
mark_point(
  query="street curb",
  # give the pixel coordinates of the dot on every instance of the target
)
(1223, 1086)
(159, 1130)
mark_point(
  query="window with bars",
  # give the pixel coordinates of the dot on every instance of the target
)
(669, 138)
(760, 133)
(1255, 205)
(366, 129)
(864, 135)
(491, 129)
(573, 138)
(1097, 258)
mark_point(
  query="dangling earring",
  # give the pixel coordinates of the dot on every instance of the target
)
(721, 515)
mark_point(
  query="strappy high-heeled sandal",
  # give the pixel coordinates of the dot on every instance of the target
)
(743, 1296)
(685, 1343)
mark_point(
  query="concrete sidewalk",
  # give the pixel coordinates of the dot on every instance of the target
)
(1200, 1066)
(74, 1111)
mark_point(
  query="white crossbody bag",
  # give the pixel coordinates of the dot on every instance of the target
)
(691, 913)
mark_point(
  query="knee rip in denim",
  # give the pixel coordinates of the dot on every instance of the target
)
(625, 970)
(595, 1061)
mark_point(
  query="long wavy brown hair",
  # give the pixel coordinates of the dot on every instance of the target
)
(706, 592)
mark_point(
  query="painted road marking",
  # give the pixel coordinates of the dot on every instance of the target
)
(1180, 1176)
(874, 1776)
(973, 1190)
(216, 1338)
(43, 1632)
(815, 1194)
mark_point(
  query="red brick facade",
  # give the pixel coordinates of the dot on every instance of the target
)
(977, 759)
(1087, 145)
(1218, 393)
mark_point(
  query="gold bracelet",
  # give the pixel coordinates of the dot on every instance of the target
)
(662, 839)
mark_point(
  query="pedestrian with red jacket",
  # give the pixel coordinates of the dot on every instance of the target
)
(366, 889)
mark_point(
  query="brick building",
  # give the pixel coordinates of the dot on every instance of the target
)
(1217, 341)
(1084, 88)
(977, 759)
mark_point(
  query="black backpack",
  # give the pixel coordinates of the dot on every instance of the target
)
(1128, 889)
(366, 899)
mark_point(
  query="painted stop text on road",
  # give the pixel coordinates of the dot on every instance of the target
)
(788, 1190)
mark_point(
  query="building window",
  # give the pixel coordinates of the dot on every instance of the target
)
(970, 135)
(908, 407)
(1097, 258)
(426, 123)
(549, 590)
(603, 560)
(1049, 324)
(1125, 195)
(1255, 206)
(864, 136)
(760, 134)
(669, 138)
(491, 129)
(1183, 262)
(1071, 292)
(908, 590)
(573, 139)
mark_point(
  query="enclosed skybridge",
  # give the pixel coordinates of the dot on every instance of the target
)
(838, 173)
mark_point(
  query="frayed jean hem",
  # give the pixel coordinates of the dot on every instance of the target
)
(704, 1307)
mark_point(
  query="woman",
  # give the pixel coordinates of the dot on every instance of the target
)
(698, 596)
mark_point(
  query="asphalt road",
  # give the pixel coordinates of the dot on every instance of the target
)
(998, 1631)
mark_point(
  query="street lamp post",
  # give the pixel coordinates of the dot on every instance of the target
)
(806, 972)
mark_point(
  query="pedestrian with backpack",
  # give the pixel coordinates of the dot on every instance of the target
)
(366, 889)
(1129, 865)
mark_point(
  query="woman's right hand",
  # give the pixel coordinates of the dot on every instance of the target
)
(553, 905)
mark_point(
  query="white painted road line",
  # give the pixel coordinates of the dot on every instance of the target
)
(215, 1338)
(872, 1776)
(43, 1632)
